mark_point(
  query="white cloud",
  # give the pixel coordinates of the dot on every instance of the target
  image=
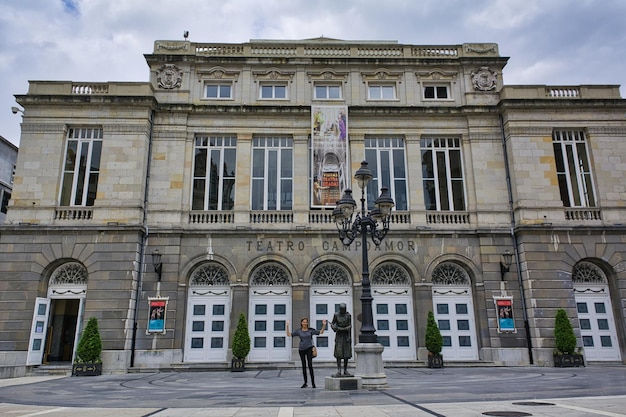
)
(548, 42)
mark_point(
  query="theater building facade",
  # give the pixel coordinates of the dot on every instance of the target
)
(167, 208)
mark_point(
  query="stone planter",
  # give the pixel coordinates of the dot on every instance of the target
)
(238, 365)
(435, 361)
(87, 369)
(568, 361)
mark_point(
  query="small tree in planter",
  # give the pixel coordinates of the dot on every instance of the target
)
(88, 361)
(565, 352)
(241, 345)
(434, 342)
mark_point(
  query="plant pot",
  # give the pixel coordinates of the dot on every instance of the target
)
(237, 365)
(87, 369)
(568, 361)
(435, 360)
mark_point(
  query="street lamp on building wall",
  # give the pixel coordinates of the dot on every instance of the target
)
(376, 225)
(156, 262)
(505, 263)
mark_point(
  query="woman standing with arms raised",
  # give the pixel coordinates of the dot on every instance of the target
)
(305, 348)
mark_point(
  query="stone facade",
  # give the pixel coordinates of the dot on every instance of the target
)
(512, 199)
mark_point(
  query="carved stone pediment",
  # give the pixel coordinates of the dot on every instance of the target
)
(436, 74)
(328, 75)
(218, 73)
(273, 74)
(382, 75)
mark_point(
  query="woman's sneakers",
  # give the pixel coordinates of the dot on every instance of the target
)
(305, 385)
(313, 385)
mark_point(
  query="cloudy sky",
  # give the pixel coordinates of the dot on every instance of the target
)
(553, 42)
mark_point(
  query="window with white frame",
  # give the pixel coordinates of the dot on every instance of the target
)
(327, 91)
(82, 167)
(272, 173)
(442, 173)
(214, 169)
(269, 91)
(437, 92)
(215, 90)
(386, 158)
(573, 169)
(376, 91)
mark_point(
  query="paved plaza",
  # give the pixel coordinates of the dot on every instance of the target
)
(474, 391)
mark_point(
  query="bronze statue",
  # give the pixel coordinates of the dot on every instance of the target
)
(342, 325)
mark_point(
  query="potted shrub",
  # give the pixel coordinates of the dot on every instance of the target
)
(241, 345)
(434, 342)
(565, 352)
(88, 361)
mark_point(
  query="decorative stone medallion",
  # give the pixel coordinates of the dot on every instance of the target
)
(484, 79)
(169, 76)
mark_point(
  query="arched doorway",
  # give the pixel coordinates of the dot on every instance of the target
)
(595, 313)
(270, 306)
(208, 314)
(454, 311)
(57, 318)
(393, 311)
(330, 286)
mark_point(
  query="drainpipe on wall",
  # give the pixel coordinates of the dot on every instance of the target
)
(515, 245)
(144, 242)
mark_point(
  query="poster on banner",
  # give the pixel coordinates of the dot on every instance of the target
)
(156, 314)
(329, 165)
(504, 309)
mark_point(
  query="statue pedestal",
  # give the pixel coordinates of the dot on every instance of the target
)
(345, 383)
(369, 365)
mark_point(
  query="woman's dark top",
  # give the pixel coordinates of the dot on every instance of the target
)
(306, 337)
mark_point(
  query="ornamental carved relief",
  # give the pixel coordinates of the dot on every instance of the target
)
(330, 274)
(449, 273)
(71, 273)
(169, 76)
(390, 274)
(484, 79)
(586, 272)
(270, 274)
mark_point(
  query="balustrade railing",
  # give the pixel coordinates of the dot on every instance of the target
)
(451, 217)
(90, 88)
(211, 217)
(581, 214)
(73, 214)
(562, 92)
(271, 217)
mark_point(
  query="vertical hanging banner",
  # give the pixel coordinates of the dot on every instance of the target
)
(504, 309)
(156, 314)
(329, 144)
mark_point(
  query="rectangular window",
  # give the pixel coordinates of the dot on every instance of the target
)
(6, 196)
(381, 91)
(327, 92)
(386, 159)
(218, 90)
(272, 173)
(436, 92)
(573, 169)
(214, 167)
(273, 92)
(82, 167)
(442, 173)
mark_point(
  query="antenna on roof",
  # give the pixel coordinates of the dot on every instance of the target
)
(186, 34)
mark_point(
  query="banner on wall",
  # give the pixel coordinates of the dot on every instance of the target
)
(504, 310)
(329, 165)
(157, 307)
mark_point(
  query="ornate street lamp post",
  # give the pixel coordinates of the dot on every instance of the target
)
(369, 365)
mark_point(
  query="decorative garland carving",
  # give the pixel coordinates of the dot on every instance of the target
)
(169, 76)
(71, 273)
(209, 274)
(330, 274)
(449, 273)
(269, 275)
(586, 272)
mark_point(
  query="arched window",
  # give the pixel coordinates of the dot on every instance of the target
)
(71, 273)
(390, 274)
(330, 274)
(270, 274)
(208, 275)
(586, 272)
(449, 273)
